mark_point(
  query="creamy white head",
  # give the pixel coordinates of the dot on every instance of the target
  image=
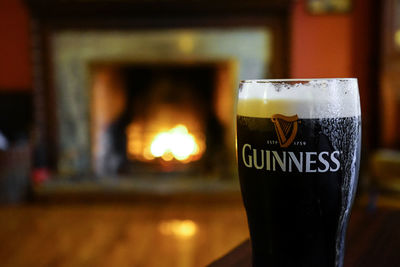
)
(308, 98)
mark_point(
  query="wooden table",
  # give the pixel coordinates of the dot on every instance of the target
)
(373, 239)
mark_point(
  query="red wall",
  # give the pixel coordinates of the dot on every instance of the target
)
(15, 57)
(321, 44)
(340, 45)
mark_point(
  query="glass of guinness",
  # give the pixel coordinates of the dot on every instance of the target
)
(298, 151)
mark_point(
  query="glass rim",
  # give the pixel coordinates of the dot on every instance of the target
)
(295, 80)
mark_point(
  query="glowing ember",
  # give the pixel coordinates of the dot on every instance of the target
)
(176, 143)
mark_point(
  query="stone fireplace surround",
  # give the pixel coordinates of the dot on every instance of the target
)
(73, 52)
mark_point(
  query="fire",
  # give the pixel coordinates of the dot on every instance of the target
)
(175, 143)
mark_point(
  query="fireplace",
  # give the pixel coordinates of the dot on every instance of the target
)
(149, 118)
(143, 99)
(153, 102)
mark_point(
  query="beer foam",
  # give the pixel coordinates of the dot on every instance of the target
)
(308, 98)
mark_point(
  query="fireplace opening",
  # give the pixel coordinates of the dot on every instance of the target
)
(160, 119)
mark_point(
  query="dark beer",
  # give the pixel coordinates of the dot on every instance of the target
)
(298, 174)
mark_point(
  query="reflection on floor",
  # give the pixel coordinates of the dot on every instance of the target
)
(157, 234)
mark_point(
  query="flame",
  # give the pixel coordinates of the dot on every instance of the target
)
(175, 143)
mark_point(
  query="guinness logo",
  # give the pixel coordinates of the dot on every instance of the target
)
(286, 128)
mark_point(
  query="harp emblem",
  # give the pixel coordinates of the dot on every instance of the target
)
(286, 128)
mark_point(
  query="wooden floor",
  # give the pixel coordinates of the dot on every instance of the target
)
(157, 234)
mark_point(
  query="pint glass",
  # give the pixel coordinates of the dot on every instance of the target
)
(298, 152)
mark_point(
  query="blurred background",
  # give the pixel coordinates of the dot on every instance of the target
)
(116, 118)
